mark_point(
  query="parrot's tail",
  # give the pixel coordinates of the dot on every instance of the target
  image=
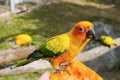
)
(21, 63)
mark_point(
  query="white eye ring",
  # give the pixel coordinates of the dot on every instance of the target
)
(81, 29)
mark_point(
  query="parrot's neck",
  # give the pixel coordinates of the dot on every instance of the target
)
(83, 44)
(78, 41)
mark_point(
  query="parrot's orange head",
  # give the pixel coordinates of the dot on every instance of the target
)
(83, 29)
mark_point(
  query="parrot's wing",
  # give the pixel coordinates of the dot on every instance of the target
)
(53, 47)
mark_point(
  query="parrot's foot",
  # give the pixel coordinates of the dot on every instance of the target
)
(62, 69)
(65, 64)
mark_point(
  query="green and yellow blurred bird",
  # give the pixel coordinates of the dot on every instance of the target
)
(107, 41)
(23, 40)
(62, 48)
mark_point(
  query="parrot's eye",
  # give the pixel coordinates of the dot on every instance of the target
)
(81, 29)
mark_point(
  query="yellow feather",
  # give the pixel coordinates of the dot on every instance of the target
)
(58, 41)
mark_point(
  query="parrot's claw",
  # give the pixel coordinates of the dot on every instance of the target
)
(65, 64)
(62, 69)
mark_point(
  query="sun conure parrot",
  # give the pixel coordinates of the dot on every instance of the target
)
(106, 41)
(23, 40)
(62, 48)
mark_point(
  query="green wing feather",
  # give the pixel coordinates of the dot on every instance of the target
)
(55, 46)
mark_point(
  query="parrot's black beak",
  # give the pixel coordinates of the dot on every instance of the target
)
(90, 33)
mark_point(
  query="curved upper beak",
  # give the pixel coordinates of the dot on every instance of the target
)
(90, 33)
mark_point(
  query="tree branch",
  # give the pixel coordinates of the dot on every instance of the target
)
(31, 67)
(15, 54)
